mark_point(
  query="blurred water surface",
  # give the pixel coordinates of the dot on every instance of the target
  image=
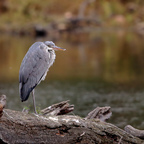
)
(97, 69)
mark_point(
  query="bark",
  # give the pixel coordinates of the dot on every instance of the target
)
(2, 104)
(102, 113)
(20, 127)
(58, 109)
(135, 132)
(53, 127)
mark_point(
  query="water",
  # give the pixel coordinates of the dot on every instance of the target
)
(97, 69)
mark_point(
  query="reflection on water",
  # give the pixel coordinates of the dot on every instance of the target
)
(97, 69)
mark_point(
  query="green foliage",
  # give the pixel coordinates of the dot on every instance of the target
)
(27, 108)
(38, 109)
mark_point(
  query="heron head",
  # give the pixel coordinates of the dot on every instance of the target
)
(52, 46)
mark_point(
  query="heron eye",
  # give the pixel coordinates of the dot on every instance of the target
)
(49, 50)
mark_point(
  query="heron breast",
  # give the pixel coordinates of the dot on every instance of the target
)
(50, 61)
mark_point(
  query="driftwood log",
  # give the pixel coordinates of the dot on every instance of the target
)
(2, 104)
(21, 127)
(134, 131)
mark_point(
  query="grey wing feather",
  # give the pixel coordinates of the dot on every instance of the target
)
(34, 65)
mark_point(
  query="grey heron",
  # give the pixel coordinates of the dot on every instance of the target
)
(34, 67)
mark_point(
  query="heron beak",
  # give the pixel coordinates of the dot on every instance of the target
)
(58, 48)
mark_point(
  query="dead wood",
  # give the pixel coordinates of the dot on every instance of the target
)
(102, 113)
(135, 132)
(20, 127)
(58, 109)
(2, 104)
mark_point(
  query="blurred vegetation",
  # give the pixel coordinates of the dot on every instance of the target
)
(18, 14)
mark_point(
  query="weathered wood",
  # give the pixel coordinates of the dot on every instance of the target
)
(135, 132)
(58, 109)
(19, 127)
(102, 113)
(2, 104)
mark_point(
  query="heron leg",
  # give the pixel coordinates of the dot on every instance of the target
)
(33, 97)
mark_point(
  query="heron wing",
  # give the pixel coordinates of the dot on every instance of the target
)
(34, 65)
